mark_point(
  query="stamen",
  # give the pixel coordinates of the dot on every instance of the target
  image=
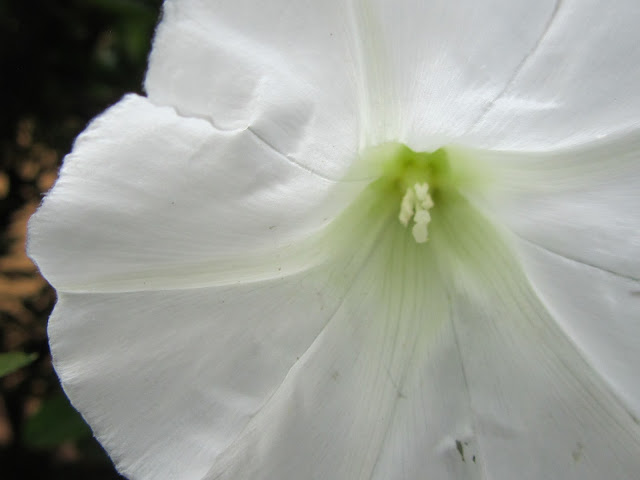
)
(422, 216)
(416, 203)
(420, 233)
(406, 207)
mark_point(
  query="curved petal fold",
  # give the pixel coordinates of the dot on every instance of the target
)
(150, 199)
(541, 410)
(431, 69)
(580, 83)
(168, 379)
(386, 357)
(597, 310)
(580, 202)
(283, 69)
(422, 372)
(320, 80)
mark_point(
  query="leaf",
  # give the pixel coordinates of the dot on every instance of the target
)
(12, 361)
(56, 422)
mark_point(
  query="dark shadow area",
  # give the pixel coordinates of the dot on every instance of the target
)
(61, 63)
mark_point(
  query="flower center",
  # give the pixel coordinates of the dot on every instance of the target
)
(415, 180)
(416, 203)
(417, 195)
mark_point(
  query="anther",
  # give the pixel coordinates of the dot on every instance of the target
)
(416, 204)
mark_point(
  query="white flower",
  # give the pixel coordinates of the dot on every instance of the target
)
(244, 293)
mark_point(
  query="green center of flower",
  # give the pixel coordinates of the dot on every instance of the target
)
(418, 207)
(414, 180)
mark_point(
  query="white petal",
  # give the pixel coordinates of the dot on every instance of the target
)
(387, 353)
(580, 83)
(432, 68)
(319, 79)
(283, 69)
(581, 203)
(149, 199)
(598, 311)
(450, 375)
(541, 411)
(168, 379)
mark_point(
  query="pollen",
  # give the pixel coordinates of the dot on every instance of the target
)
(415, 205)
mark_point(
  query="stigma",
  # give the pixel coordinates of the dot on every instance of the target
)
(415, 205)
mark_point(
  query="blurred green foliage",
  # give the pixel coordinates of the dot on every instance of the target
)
(61, 63)
(55, 422)
(12, 361)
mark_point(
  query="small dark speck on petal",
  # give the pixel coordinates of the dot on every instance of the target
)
(577, 453)
(460, 449)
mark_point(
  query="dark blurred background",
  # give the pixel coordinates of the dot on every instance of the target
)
(61, 63)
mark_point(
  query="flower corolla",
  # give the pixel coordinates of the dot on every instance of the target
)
(360, 240)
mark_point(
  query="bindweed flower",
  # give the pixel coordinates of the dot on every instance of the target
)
(348, 240)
